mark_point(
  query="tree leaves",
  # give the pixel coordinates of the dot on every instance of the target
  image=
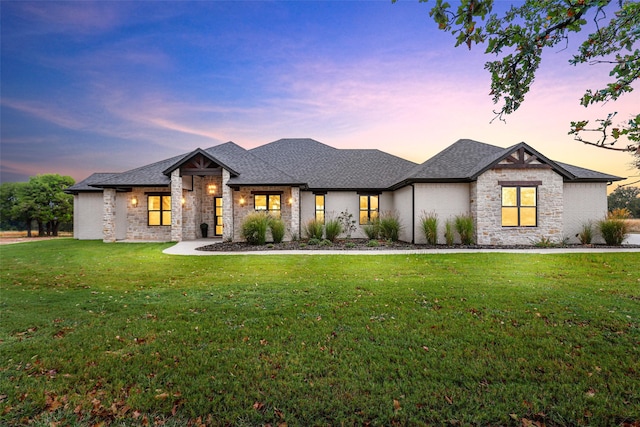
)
(519, 37)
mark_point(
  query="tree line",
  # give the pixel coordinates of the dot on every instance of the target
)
(41, 201)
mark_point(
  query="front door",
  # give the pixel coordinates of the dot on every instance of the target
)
(217, 216)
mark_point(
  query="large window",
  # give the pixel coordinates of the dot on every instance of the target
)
(320, 208)
(519, 206)
(267, 203)
(159, 209)
(368, 209)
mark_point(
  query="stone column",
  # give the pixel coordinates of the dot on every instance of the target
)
(109, 215)
(295, 212)
(227, 207)
(176, 206)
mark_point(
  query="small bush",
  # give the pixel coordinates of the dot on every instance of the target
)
(544, 242)
(349, 245)
(313, 241)
(313, 229)
(613, 230)
(429, 224)
(586, 234)
(464, 227)
(332, 229)
(372, 229)
(347, 222)
(254, 228)
(449, 232)
(373, 243)
(325, 242)
(390, 226)
(277, 229)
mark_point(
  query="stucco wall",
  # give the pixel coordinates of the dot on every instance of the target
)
(402, 205)
(87, 216)
(487, 208)
(446, 200)
(583, 203)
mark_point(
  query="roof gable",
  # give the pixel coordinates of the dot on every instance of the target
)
(521, 156)
(199, 162)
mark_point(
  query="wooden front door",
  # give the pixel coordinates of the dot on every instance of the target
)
(217, 216)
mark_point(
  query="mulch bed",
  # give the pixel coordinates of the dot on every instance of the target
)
(363, 245)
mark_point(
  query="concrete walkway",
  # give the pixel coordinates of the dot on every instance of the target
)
(188, 247)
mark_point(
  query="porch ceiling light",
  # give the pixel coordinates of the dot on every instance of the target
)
(211, 188)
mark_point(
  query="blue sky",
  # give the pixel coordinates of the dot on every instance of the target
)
(109, 86)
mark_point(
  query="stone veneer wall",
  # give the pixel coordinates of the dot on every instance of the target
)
(206, 208)
(486, 207)
(239, 212)
(137, 219)
(109, 215)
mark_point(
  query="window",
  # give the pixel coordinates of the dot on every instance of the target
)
(269, 203)
(368, 209)
(159, 210)
(320, 208)
(519, 207)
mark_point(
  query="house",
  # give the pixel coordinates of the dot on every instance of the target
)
(516, 195)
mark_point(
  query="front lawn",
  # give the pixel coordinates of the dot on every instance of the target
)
(122, 334)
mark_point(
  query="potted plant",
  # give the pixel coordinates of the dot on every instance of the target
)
(204, 227)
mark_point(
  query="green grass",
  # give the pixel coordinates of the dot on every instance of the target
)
(122, 334)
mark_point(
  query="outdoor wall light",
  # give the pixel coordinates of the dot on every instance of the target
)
(183, 201)
(134, 201)
(211, 188)
(242, 201)
(290, 200)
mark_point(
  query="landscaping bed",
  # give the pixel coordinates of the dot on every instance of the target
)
(369, 245)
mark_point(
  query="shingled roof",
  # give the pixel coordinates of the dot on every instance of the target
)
(313, 165)
(466, 159)
(323, 167)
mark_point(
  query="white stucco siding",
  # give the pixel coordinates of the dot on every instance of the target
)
(583, 203)
(403, 206)
(87, 216)
(446, 200)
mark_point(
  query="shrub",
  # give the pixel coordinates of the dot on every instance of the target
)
(429, 224)
(325, 242)
(586, 233)
(332, 229)
(464, 227)
(313, 241)
(348, 223)
(277, 229)
(448, 232)
(313, 229)
(349, 245)
(254, 228)
(372, 229)
(390, 226)
(544, 242)
(373, 243)
(613, 230)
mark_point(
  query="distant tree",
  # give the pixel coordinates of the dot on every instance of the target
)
(625, 198)
(9, 195)
(519, 37)
(42, 199)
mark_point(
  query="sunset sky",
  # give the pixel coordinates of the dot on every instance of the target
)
(109, 86)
